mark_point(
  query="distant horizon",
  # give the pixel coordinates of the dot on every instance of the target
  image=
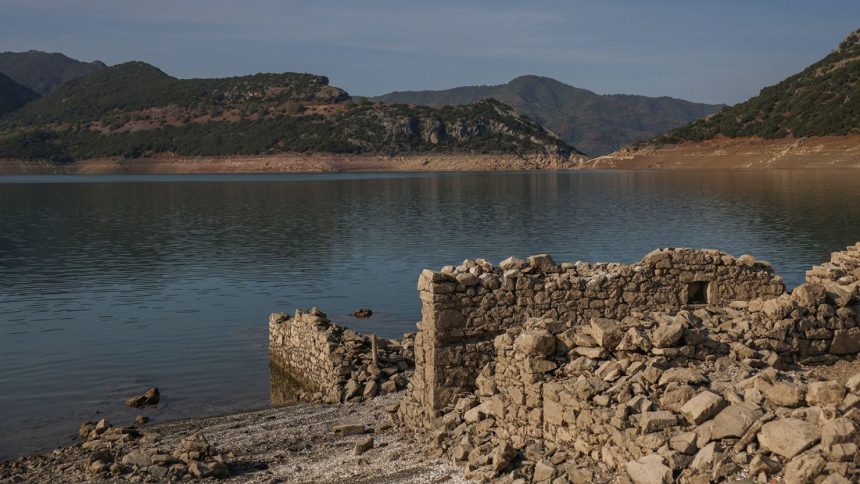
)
(716, 54)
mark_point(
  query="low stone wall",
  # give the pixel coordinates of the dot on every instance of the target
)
(465, 307)
(331, 363)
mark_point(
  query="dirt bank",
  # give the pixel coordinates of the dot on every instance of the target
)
(740, 153)
(289, 163)
(287, 444)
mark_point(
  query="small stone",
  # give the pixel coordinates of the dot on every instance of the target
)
(788, 437)
(825, 393)
(659, 420)
(362, 313)
(838, 431)
(362, 445)
(199, 469)
(784, 394)
(649, 470)
(346, 430)
(805, 468)
(388, 387)
(141, 420)
(544, 471)
(682, 375)
(684, 442)
(371, 389)
(702, 407)
(136, 458)
(733, 421)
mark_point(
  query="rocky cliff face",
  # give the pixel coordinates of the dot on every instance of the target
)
(596, 124)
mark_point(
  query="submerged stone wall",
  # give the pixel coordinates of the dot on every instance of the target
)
(465, 307)
(332, 363)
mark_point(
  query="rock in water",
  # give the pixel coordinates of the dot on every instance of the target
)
(363, 313)
(150, 397)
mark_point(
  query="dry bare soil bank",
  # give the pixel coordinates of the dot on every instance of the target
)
(290, 163)
(740, 153)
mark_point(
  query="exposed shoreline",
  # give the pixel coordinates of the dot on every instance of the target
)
(828, 152)
(296, 443)
(739, 154)
(292, 163)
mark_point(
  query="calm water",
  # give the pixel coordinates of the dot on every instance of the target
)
(110, 285)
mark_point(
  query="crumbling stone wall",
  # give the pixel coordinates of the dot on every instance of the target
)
(332, 363)
(465, 307)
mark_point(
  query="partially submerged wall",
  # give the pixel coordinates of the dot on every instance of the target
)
(465, 307)
(332, 363)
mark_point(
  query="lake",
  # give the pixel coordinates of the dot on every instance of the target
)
(110, 285)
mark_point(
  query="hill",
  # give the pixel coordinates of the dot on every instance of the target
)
(596, 124)
(134, 110)
(43, 72)
(821, 100)
(13, 95)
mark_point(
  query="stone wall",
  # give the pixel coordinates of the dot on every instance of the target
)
(331, 363)
(465, 307)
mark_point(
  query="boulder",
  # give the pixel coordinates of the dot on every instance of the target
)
(845, 341)
(788, 437)
(606, 332)
(667, 336)
(702, 407)
(150, 397)
(543, 263)
(535, 343)
(809, 295)
(512, 263)
(839, 295)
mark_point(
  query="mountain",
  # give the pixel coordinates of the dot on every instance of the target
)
(135, 110)
(597, 124)
(43, 72)
(13, 95)
(821, 100)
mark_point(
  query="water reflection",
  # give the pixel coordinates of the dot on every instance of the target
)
(284, 389)
(109, 286)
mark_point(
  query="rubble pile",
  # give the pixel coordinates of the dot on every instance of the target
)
(131, 454)
(653, 398)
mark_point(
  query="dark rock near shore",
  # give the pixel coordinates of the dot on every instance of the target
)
(150, 397)
(363, 313)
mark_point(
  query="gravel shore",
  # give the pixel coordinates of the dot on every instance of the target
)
(287, 444)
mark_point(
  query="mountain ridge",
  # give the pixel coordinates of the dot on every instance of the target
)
(43, 72)
(595, 123)
(13, 96)
(821, 100)
(135, 110)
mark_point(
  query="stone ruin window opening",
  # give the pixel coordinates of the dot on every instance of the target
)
(697, 292)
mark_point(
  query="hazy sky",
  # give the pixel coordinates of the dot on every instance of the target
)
(710, 51)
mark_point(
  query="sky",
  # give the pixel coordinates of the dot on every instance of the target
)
(718, 51)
